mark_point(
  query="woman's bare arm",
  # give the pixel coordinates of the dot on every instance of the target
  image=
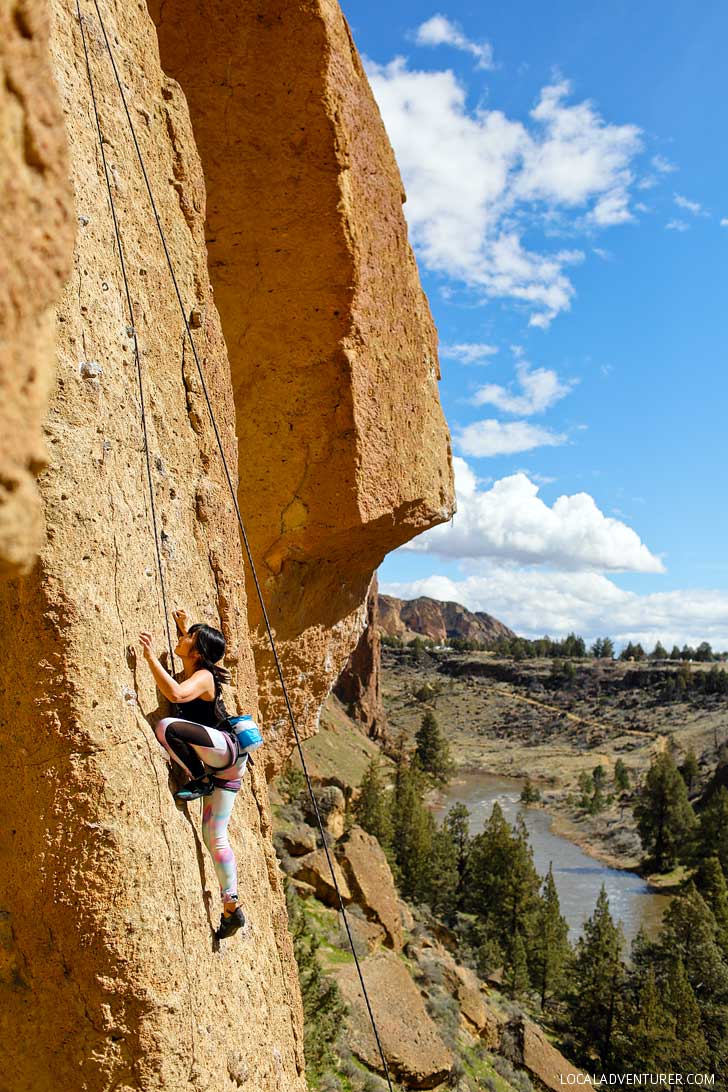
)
(197, 686)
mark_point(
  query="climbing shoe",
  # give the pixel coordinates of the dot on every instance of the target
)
(230, 922)
(201, 786)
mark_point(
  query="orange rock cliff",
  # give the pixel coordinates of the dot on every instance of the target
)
(278, 191)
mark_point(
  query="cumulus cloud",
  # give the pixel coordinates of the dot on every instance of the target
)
(534, 602)
(509, 521)
(439, 30)
(690, 206)
(677, 225)
(469, 352)
(491, 437)
(541, 388)
(724, 222)
(474, 176)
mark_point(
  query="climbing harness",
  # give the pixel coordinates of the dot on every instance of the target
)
(231, 487)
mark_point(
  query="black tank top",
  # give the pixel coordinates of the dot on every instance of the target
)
(200, 711)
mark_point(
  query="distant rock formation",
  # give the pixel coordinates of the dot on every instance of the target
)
(425, 617)
(359, 686)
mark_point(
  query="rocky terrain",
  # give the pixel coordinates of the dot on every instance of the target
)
(440, 1025)
(510, 718)
(425, 617)
(315, 344)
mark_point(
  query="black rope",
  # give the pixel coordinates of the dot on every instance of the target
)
(241, 525)
(137, 357)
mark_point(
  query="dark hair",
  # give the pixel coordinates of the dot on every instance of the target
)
(210, 646)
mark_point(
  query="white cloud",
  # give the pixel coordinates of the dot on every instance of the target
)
(533, 602)
(677, 225)
(468, 352)
(509, 521)
(647, 183)
(690, 206)
(475, 177)
(605, 255)
(541, 388)
(724, 222)
(491, 437)
(664, 166)
(439, 30)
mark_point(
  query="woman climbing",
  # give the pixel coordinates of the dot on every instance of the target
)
(194, 741)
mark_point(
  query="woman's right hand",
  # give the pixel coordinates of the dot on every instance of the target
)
(146, 642)
(180, 617)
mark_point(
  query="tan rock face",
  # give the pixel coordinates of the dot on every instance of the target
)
(36, 243)
(530, 1048)
(370, 879)
(109, 977)
(415, 1053)
(314, 870)
(344, 449)
(359, 686)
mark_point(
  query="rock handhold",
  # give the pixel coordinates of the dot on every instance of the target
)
(415, 1053)
(371, 882)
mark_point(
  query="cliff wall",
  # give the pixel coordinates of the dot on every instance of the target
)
(36, 240)
(109, 978)
(345, 452)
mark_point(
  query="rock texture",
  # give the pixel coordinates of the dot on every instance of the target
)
(345, 453)
(370, 880)
(36, 243)
(415, 1053)
(526, 1045)
(359, 686)
(425, 617)
(314, 870)
(109, 978)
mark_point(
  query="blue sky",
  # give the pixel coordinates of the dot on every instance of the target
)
(566, 174)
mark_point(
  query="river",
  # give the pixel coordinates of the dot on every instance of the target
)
(578, 877)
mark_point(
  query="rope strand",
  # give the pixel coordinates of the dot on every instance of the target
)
(243, 533)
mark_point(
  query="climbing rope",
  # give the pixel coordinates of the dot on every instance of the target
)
(231, 487)
(132, 327)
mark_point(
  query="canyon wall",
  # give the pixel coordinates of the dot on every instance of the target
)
(344, 450)
(36, 240)
(109, 978)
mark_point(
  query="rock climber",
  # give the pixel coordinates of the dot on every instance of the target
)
(200, 747)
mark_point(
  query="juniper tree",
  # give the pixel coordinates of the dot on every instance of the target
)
(690, 771)
(372, 807)
(711, 883)
(457, 823)
(689, 1050)
(665, 819)
(550, 951)
(648, 1033)
(597, 980)
(621, 775)
(412, 831)
(433, 751)
(711, 837)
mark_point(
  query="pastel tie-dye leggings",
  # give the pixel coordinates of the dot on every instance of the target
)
(217, 808)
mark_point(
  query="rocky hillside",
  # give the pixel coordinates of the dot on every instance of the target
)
(281, 204)
(425, 617)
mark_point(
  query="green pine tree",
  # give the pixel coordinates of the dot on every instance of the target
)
(665, 819)
(516, 977)
(621, 775)
(690, 770)
(412, 831)
(433, 751)
(372, 807)
(650, 1031)
(457, 823)
(443, 874)
(598, 977)
(711, 837)
(550, 952)
(690, 1051)
(711, 883)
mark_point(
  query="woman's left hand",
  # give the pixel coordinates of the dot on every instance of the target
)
(146, 641)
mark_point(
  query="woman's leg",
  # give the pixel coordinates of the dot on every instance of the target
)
(192, 745)
(216, 814)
